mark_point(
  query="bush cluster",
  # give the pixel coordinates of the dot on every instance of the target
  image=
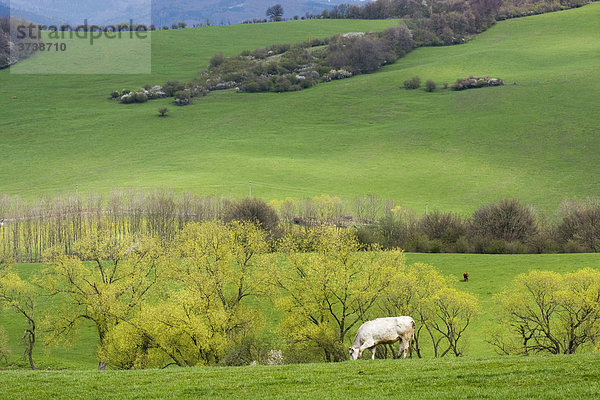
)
(473, 82)
(284, 67)
(182, 93)
(412, 83)
(255, 211)
(430, 86)
(134, 97)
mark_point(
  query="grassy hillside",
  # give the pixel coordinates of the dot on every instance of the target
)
(489, 274)
(559, 377)
(534, 139)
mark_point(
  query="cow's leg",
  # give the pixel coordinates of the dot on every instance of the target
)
(401, 345)
(373, 352)
(366, 345)
(406, 346)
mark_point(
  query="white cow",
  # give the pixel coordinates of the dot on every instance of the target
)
(383, 331)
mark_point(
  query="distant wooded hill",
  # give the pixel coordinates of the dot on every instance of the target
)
(163, 12)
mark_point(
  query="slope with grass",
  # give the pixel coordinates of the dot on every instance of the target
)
(534, 139)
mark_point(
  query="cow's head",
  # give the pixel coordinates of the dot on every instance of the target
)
(354, 353)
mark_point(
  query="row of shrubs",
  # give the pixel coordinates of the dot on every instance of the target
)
(285, 67)
(461, 84)
(507, 226)
(183, 94)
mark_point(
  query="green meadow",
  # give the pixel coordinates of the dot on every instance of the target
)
(534, 377)
(533, 139)
(480, 374)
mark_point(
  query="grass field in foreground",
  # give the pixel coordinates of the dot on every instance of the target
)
(489, 274)
(535, 377)
(534, 139)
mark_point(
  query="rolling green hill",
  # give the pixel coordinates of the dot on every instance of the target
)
(534, 139)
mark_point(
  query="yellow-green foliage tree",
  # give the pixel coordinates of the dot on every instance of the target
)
(19, 296)
(325, 294)
(106, 281)
(545, 311)
(439, 310)
(204, 310)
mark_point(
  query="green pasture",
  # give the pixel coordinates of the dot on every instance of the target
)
(534, 138)
(544, 378)
(489, 274)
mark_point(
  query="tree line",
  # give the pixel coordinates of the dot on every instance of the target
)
(445, 22)
(413, 9)
(202, 298)
(195, 300)
(28, 228)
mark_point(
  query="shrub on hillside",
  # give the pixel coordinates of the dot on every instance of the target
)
(128, 98)
(171, 87)
(253, 210)
(473, 82)
(579, 227)
(507, 220)
(359, 54)
(335, 74)
(140, 97)
(183, 98)
(412, 83)
(278, 48)
(446, 227)
(281, 84)
(430, 86)
(398, 39)
(217, 60)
